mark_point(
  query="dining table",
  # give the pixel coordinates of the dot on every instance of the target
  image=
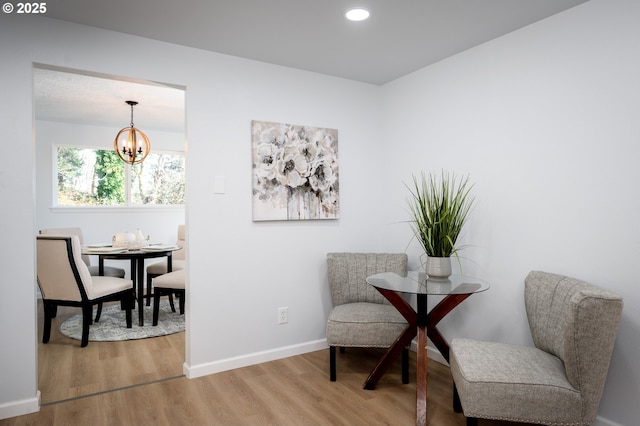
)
(137, 256)
(420, 322)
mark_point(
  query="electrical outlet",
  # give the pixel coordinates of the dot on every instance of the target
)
(283, 315)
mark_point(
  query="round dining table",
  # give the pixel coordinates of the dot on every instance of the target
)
(137, 257)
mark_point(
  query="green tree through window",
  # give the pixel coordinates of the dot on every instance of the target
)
(109, 170)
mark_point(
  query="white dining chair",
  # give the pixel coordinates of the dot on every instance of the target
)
(159, 268)
(168, 284)
(64, 280)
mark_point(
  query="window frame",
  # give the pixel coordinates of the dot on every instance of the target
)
(128, 206)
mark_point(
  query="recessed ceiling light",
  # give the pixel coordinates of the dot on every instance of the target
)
(357, 14)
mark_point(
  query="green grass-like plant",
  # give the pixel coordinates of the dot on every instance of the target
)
(439, 206)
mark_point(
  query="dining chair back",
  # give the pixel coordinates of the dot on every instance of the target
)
(64, 280)
(109, 271)
(178, 260)
(180, 254)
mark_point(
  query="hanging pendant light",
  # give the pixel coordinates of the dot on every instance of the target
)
(130, 143)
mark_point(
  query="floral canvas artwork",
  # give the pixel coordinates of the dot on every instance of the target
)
(295, 172)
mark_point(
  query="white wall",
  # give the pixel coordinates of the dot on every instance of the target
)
(545, 121)
(240, 272)
(246, 270)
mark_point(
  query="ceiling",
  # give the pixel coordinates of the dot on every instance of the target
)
(100, 101)
(401, 36)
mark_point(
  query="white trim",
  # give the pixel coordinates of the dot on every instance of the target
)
(116, 209)
(600, 421)
(432, 353)
(192, 372)
(20, 407)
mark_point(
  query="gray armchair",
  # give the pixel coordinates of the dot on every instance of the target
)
(559, 381)
(362, 317)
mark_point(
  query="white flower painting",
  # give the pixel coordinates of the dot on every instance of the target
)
(295, 172)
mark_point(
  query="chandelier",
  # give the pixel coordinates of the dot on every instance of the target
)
(130, 143)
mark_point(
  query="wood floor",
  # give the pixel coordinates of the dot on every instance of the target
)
(140, 382)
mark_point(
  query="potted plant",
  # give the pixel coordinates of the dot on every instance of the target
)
(439, 206)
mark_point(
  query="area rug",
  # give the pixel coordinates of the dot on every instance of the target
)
(113, 326)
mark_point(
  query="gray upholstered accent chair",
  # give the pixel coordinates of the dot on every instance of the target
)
(168, 284)
(361, 316)
(559, 381)
(64, 280)
(159, 268)
(109, 271)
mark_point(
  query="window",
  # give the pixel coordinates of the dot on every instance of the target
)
(95, 177)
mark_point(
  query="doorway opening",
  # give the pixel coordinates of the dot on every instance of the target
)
(79, 108)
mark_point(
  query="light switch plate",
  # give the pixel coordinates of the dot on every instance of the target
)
(218, 184)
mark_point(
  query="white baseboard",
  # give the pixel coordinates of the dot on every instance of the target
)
(432, 353)
(20, 407)
(600, 421)
(194, 371)
(200, 370)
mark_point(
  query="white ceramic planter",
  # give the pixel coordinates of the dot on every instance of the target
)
(438, 267)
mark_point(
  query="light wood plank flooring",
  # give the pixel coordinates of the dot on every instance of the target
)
(140, 382)
(65, 370)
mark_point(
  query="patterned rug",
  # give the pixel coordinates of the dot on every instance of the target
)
(112, 325)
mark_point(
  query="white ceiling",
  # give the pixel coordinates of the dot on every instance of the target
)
(401, 36)
(100, 100)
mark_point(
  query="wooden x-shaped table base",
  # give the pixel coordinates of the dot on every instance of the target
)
(423, 324)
